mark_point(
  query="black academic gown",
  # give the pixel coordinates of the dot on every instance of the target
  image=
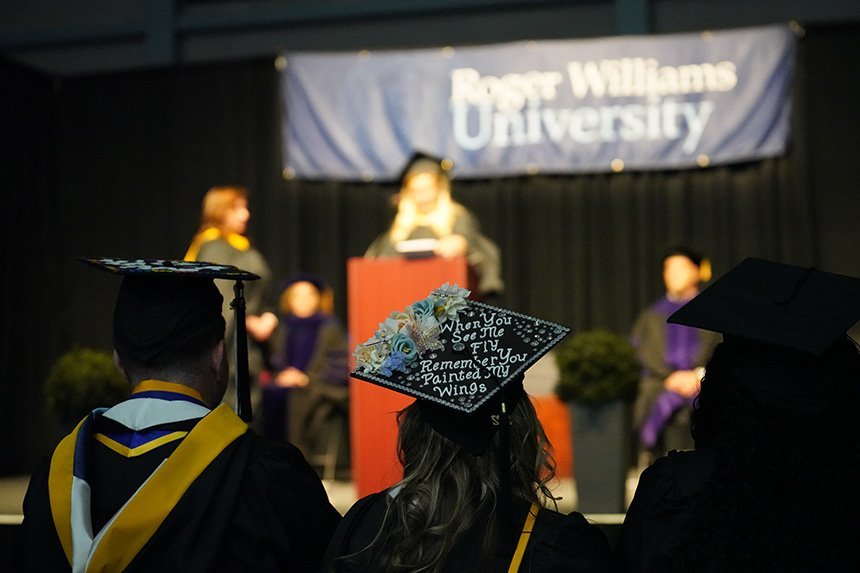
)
(775, 534)
(257, 506)
(664, 503)
(557, 543)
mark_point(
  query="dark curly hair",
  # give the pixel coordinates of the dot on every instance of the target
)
(783, 495)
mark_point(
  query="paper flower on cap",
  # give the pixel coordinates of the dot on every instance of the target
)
(406, 336)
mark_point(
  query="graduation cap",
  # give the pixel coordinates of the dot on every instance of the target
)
(777, 304)
(460, 358)
(318, 281)
(683, 251)
(420, 162)
(165, 304)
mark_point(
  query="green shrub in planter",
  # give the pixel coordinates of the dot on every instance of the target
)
(596, 367)
(83, 379)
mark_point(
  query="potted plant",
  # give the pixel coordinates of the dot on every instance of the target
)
(80, 380)
(598, 377)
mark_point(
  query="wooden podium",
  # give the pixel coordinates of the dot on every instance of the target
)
(375, 289)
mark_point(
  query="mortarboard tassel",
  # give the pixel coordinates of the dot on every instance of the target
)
(506, 529)
(243, 382)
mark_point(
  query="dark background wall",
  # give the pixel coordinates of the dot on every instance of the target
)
(114, 162)
(73, 37)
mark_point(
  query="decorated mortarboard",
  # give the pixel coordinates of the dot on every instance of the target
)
(777, 304)
(464, 362)
(163, 267)
(163, 304)
(454, 352)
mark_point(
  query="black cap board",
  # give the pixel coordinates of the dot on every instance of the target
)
(682, 251)
(457, 356)
(317, 280)
(773, 303)
(164, 304)
(421, 162)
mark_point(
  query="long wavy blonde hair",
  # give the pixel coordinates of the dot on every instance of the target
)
(445, 488)
(440, 219)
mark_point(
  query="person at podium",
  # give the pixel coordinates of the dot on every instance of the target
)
(430, 223)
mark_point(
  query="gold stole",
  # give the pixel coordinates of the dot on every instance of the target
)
(144, 513)
(524, 539)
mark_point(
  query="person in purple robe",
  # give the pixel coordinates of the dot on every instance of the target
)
(672, 357)
(307, 396)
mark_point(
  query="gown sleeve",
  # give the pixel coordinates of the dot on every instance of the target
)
(283, 515)
(484, 255)
(355, 531)
(40, 547)
(567, 543)
(663, 504)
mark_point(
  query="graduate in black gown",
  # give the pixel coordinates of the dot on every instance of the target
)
(476, 470)
(169, 480)
(772, 483)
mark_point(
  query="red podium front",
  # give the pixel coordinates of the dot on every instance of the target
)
(376, 288)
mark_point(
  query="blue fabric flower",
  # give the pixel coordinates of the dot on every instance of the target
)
(423, 308)
(395, 361)
(402, 344)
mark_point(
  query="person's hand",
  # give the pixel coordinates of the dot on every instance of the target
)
(451, 246)
(683, 382)
(291, 378)
(261, 327)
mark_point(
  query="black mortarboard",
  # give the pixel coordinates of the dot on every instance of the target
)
(165, 304)
(680, 250)
(457, 356)
(777, 304)
(317, 280)
(421, 162)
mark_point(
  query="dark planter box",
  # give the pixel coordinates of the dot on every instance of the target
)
(600, 452)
